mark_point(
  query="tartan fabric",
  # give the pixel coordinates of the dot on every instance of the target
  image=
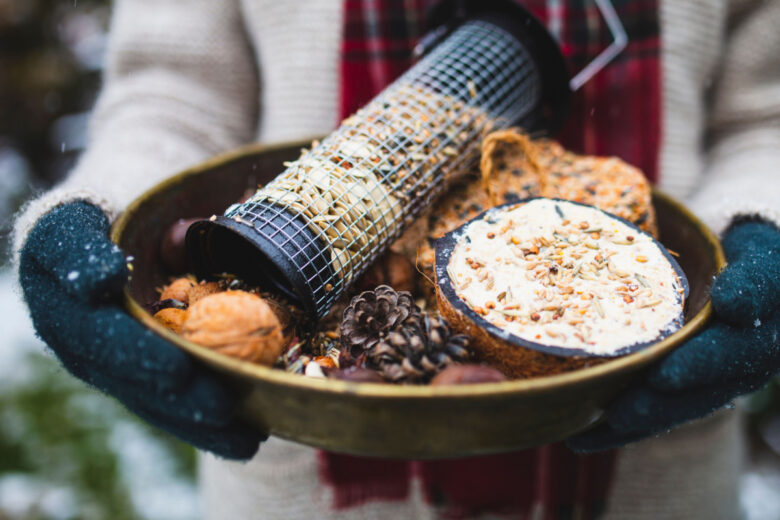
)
(377, 42)
(616, 113)
(550, 482)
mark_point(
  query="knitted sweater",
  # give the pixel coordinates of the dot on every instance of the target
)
(186, 80)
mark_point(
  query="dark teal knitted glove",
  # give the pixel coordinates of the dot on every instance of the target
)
(737, 353)
(72, 277)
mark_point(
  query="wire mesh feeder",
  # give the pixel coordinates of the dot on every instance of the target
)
(321, 222)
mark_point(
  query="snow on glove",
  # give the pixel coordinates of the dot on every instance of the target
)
(72, 276)
(737, 353)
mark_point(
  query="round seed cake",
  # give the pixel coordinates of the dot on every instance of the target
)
(567, 275)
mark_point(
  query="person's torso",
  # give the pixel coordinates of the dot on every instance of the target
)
(647, 107)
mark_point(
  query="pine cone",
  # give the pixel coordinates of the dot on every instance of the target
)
(420, 348)
(372, 315)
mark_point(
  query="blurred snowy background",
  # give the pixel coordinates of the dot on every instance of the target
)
(66, 451)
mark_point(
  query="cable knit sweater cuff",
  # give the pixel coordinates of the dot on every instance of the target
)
(37, 208)
(111, 177)
(721, 213)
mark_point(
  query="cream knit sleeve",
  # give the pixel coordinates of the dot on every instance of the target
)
(180, 84)
(743, 164)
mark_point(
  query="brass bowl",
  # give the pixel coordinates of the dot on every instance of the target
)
(387, 420)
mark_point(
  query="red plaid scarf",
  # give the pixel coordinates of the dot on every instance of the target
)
(615, 113)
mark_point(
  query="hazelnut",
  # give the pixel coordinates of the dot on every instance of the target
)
(357, 375)
(172, 248)
(235, 323)
(467, 374)
(171, 318)
(393, 269)
(179, 289)
(202, 290)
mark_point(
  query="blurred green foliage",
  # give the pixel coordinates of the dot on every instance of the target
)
(60, 433)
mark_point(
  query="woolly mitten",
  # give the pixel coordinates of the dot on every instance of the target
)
(72, 276)
(737, 353)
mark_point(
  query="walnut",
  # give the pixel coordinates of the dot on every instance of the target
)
(172, 318)
(179, 289)
(202, 290)
(467, 374)
(235, 323)
(393, 269)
